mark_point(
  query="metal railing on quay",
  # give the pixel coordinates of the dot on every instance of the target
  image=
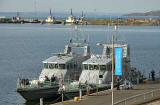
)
(152, 93)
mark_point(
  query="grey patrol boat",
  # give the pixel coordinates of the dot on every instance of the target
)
(97, 71)
(67, 65)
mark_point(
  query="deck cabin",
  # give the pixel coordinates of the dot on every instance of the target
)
(68, 63)
(98, 69)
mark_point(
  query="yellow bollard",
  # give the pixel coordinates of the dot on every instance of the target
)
(76, 98)
(88, 91)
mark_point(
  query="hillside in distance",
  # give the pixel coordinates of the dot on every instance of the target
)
(151, 13)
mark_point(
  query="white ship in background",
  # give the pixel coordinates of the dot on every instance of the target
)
(71, 19)
(50, 18)
(82, 19)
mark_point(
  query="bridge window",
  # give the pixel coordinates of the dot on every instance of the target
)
(102, 67)
(71, 66)
(85, 67)
(45, 65)
(96, 67)
(91, 67)
(75, 66)
(67, 66)
(56, 66)
(61, 66)
(51, 66)
(109, 66)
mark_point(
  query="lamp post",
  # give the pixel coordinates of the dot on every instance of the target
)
(112, 67)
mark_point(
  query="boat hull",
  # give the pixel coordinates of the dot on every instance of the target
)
(34, 94)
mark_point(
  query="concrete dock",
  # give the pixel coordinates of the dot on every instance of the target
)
(104, 97)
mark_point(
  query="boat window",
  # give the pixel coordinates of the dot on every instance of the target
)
(91, 67)
(61, 66)
(67, 66)
(75, 66)
(45, 65)
(56, 66)
(71, 65)
(109, 67)
(96, 67)
(102, 67)
(51, 66)
(85, 67)
(100, 76)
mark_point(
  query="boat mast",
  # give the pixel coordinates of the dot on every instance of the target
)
(35, 8)
(82, 14)
(71, 11)
(50, 12)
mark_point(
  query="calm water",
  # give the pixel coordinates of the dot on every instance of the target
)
(24, 46)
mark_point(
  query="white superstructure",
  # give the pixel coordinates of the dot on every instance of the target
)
(50, 18)
(71, 18)
(98, 69)
(82, 19)
(67, 64)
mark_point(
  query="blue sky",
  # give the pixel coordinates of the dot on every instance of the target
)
(101, 6)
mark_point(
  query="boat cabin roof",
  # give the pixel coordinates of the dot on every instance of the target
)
(98, 60)
(116, 45)
(58, 59)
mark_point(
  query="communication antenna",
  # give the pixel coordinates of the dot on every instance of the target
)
(50, 12)
(83, 33)
(82, 14)
(109, 32)
(35, 7)
(95, 14)
(71, 11)
(17, 14)
(88, 38)
(76, 30)
(118, 21)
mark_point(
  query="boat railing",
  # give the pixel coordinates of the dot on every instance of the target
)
(25, 83)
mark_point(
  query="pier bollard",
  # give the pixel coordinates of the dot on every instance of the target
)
(137, 80)
(80, 93)
(144, 97)
(62, 96)
(125, 103)
(41, 101)
(97, 90)
(135, 100)
(88, 91)
(152, 94)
